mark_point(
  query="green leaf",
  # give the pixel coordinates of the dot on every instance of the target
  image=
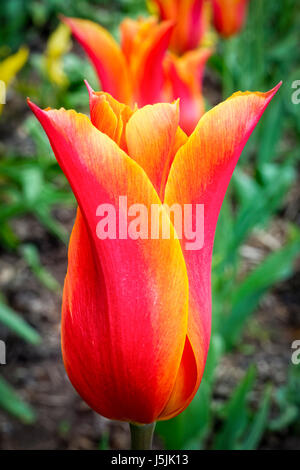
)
(14, 405)
(16, 323)
(104, 442)
(32, 183)
(190, 424)
(42, 212)
(31, 256)
(7, 237)
(259, 424)
(39, 137)
(270, 132)
(259, 202)
(288, 399)
(235, 414)
(276, 267)
(288, 415)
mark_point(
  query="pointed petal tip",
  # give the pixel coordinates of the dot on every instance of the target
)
(71, 22)
(169, 24)
(166, 29)
(37, 110)
(32, 105)
(269, 95)
(64, 19)
(89, 88)
(274, 90)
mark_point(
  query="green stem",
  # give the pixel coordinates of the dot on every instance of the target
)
(141, 436)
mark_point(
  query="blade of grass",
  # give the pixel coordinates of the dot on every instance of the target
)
(19, 326)
(14, 405)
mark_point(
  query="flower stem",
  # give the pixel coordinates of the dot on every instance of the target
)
(141, 436)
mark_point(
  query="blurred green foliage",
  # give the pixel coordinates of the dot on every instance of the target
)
(24, 21)
(264, 53)
(288, 401)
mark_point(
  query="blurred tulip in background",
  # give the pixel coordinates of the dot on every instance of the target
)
(190, 18)
(141, 70)
(229, 16)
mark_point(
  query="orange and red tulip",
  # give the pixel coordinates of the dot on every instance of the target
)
(190, 20)
(229, 16)
(136, 314)
(139, 71)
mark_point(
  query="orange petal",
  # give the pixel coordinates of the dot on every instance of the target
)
(106, 56)
(146, 63)
(200, 174)
(184, 388)
(150, 136)
(129, 30)
(125, 300)
(229, 16)
(183, 80)
(109, 116)
(167, 8)
(189, 29)
(189, 19)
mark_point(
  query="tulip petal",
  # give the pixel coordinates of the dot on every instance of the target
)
(200, 174)
(109, 116)
(189, 19)
(184, 388)
(129, 32)
(102, 116)
(190, 26)
(150, 136)
(106, 56)
(167, 8)
(146, 64)
(125, 300)
(184, 77)
(229, 16)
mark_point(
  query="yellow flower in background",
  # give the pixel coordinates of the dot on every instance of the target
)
(9, 68)
(58, 45)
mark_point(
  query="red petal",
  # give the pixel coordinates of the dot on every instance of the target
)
(229, 16)
(184, 81)
(106, 56)
(147, 63)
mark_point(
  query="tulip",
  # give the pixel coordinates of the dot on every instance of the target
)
(136, 313)
(133, 72)
(140, 71)
(190, 19)
(229, 16)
